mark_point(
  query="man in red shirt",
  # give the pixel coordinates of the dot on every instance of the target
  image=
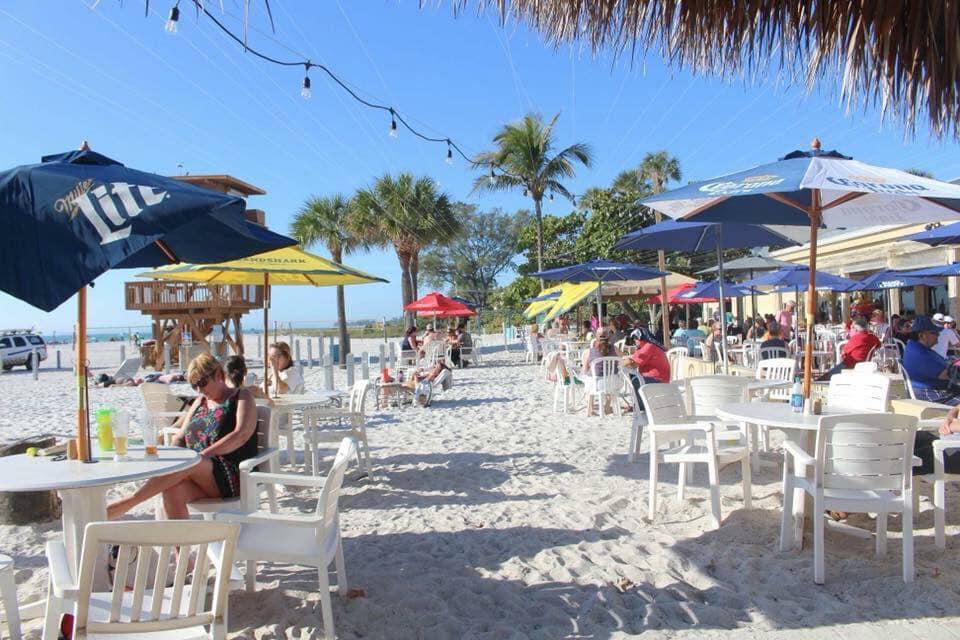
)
(649, 362)
(857, 348)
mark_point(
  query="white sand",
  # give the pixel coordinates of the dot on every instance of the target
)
(492, 517)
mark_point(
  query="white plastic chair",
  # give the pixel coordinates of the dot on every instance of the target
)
(677, 357)
(862, 463)
(777, 369)
(354, 414)
(772, 353)
(267, 459)
(303, 539)
(603, 383)
(865, 367)
(152, 609)
(533, 349)
(859, 392)
(162, 407)
(691, 439)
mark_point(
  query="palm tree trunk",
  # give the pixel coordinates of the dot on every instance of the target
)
(414, 276)
(405, 291)
(539, 212)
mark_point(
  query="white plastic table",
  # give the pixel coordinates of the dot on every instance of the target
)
(284, 406)
(83, 487)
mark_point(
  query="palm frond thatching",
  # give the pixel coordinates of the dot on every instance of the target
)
(903, 55)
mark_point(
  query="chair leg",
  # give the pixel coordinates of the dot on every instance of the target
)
(51, 619)
(652, 499)
(341, 566)
(714, 473)
(818, 541)
(747, 479)
(250, 578)
(786, 520)
(326, 608)
(939, 512)
(907, 543)
(881, 535)
(8, 591)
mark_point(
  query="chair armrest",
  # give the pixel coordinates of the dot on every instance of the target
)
(946, 443)
(681, 427)
(265, 517)
(800, 456)
(250, 464)
(61, 577)
(291, 479)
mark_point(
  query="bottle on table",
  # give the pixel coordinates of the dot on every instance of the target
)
(796, 396)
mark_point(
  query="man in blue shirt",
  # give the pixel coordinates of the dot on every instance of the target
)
(929, 372)
(684, 337)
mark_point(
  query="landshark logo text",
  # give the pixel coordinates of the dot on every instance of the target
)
(110, 207)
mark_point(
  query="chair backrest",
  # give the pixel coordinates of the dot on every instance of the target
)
(533, 345)
(870, 451)
(707, 393)
(677, 359)
(839, 350)
(605, 366)
(885, 355)
(358, 397)
(156, 546)
(266, 438)
(157, 398)
(865, 367)
(777, 369)
(327, 503)
(773, 353)
(664, 403)
(859, 392)
(128, 368)
(907, 383)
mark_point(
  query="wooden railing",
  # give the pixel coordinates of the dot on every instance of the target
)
(154, 295)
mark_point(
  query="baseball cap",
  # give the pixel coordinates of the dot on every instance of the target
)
(938, 318)
(949, 319)
(924, 324)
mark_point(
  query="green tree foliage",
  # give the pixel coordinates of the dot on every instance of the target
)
(485, 249)
(560, 242)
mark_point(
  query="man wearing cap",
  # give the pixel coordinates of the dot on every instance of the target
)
(929, 372)
(856, 349)
(649, 362)
(948, 335)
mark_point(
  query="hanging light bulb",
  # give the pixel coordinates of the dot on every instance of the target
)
(305, 89)
(393, 124)
(449, 159)
(171, 26)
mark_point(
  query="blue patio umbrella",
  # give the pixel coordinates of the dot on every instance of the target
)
(798, 278)
(944, 271)
(695, 237)
(946, 234)
(891, 279)
(75, 215)
(813, 189)
(600, 271)
(712, 290)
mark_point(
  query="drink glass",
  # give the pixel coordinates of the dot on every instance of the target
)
(105, 418)
(149, 429)
(121, 433)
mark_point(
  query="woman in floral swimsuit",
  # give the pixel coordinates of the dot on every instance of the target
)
(221, 426)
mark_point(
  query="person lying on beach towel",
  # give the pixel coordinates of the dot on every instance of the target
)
(106, 380)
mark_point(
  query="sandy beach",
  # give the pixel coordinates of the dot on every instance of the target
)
(490, 516)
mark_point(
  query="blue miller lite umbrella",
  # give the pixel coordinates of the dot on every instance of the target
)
(813, 189)
(75, 215)
(600, 271)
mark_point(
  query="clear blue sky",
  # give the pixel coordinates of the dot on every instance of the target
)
(155, 101)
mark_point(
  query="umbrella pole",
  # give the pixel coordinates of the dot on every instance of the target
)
(266, 333)
(83, 418)
(816, 212)
(723, 313)
(753, 299)
(599, 304)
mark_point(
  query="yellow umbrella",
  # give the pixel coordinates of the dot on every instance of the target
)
(571, 295)
(290, 266)
(536, 308)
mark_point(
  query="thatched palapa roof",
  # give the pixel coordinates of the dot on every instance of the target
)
(903, 55)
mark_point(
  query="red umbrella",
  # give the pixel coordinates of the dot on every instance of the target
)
(676, 291)
(438, 305)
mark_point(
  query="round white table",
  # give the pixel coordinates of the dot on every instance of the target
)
(83, 486)
(281, 415)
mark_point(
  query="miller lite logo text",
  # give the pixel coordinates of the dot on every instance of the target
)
(109, 207)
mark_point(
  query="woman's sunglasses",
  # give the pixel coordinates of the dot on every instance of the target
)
(201, 383)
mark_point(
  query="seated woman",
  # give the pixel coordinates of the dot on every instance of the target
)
(923, 446)
(221, 426)
(421, 382)
(235, 371)
(283, 375)
(929, 372)
(757, 329)
(454, 344)
(600, 348)
(410, 342)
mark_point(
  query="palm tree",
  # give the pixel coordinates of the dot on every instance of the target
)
(408, 214)
(523, 159)
(326, 220)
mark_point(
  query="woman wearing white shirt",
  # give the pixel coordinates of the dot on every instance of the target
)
(949, 338)
(282, 369)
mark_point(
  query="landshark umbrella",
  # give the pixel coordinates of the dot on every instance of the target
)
(600, 271)
(813, 189)
(544, 302)
(75, 215)
(553, 295)
(697, 237)
(287, 266)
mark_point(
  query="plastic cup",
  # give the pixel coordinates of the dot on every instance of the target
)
(121, 435)
(104, 419)
(150, 438)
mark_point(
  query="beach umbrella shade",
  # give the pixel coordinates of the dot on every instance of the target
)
(437, 305)
(286, 266)
(946, 234)
(813, 189)
(600, 271)
(75, 215)
(673, 294)
(797, 277)
(545, 302)
(696, 237)
(944, 271)
(571, 295)
(714, 290)
(543, 297)
(891, 279)
(748, 264)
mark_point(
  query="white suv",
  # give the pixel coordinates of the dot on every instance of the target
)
(16, 348)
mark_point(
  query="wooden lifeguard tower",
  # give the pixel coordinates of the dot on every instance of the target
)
(205, 312)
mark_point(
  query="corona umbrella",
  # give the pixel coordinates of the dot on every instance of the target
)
(75, 215)
(287, 266)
